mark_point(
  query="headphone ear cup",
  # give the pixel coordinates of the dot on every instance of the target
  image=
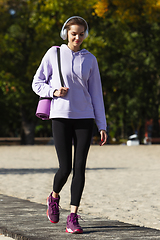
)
(86, 34)
(64, 34)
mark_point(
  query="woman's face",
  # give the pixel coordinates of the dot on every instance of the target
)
(75, 37)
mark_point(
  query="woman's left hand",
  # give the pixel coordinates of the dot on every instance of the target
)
(103, 137)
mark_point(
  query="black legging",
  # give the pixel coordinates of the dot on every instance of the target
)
(64, 131)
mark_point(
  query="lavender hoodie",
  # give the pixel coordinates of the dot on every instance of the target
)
(81, 75)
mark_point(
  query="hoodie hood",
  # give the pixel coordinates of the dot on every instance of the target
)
(82, 52)
(76, 62)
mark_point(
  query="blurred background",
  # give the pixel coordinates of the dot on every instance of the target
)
(125, 38)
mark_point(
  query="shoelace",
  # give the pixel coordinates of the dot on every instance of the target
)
(55, 207)
(74, 220)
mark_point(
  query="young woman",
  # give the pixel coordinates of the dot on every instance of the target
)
(73, 110)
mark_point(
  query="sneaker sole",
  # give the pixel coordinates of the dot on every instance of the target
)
(68, 230)
(48, 214)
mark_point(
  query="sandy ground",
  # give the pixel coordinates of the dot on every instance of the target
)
(122, 183)
(2, 237)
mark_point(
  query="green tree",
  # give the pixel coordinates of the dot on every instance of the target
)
(130, 36)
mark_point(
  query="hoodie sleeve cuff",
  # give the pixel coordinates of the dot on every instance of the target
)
(52, 93)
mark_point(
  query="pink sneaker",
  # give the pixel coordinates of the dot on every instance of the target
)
(53, 209)
(72, 224)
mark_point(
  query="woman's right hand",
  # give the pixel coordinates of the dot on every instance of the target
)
(61, 92)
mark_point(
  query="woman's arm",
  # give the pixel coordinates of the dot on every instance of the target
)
(41, 81)
(95, 90)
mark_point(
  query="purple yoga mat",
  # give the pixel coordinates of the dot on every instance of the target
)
(43, 108)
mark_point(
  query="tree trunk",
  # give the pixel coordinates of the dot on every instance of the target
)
(27, 131)
(27, 135)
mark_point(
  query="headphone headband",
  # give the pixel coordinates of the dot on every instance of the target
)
(63, 33)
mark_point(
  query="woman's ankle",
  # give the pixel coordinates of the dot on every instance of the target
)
(74, 209)
(55, 195)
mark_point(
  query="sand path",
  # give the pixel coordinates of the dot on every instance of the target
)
(122, 183)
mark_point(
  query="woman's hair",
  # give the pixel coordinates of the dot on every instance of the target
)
(76, 21)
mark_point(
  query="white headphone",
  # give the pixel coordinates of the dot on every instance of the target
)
(63, 33)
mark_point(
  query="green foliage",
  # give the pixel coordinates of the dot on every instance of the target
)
(129, 63)
(127, 49)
